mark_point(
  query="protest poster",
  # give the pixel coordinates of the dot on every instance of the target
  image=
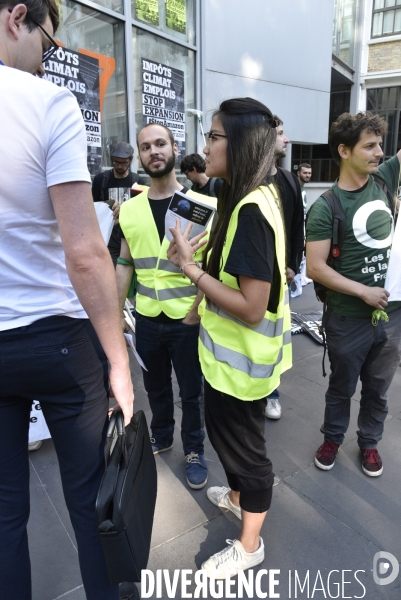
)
(311, 324)
(163, 99)
(176, 16)
(147, 11)
(80, 74)
(38, 429)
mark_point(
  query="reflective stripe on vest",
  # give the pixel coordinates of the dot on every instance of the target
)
(151, 263)
(238, 359)
(265, 327)
(161, 286)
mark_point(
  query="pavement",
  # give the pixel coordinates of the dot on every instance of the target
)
(321, 535)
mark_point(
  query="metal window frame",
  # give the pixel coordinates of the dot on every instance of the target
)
(126, 18)
(384, 10)
(383, 112)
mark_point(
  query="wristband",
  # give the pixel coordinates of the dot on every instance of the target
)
(196, 264)
(192, 280)
(199, 278)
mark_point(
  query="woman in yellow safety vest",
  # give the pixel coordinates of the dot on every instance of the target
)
(245, 338)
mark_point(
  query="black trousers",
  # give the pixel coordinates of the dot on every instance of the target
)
(58, 361)
(236, 429)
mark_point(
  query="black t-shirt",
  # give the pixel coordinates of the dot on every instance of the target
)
(253, 251)
(293, 218)
(159, 209)
(206, 189)
(114, 244)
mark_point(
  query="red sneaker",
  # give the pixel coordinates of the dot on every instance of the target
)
(371, 462)
(326, 455)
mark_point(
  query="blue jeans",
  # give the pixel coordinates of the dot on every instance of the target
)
(58, 361)
(275, 395)
(357, 349)
(161, 347)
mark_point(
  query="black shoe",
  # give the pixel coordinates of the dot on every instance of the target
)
(129, 591)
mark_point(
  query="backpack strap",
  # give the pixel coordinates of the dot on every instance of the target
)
(290, 178)
(338, 221)
(105, 182)
(380, 182)
(134, 177)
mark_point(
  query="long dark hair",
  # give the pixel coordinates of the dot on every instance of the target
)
(250, 128)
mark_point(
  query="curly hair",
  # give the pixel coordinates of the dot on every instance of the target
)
(348, 128)
(193, 161)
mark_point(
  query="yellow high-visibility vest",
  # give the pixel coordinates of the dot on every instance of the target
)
(161, 286)
(241, 360)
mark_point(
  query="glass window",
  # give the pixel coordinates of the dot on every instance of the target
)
(98, 41)
(386, 102)
(397, 22)
(165, 87)
(377, 24)
(386, 20)
(175, 17)
(116, 5)
(344, 30)
(393, 97)
(371, 99)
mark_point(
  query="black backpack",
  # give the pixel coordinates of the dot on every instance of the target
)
(322, 292)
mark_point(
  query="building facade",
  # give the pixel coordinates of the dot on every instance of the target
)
(130, 62)
(365, 75)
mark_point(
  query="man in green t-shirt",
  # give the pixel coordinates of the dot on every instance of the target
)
(359, 346)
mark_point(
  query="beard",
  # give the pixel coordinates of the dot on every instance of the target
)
(168, 167)
(280, 154)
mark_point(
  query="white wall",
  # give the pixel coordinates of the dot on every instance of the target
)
(314, 190)
(277, 51)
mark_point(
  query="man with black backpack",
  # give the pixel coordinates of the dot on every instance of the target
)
(194, 167)
(349, 236)
(107, 185)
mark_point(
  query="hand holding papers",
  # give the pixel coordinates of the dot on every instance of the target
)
(188, 211)
(131, 344)
(106, 221)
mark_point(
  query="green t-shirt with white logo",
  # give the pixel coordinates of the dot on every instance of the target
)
(366, 247)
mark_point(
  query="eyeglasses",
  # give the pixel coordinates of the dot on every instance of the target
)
(53, 45)
(212, 137)
(123, 163)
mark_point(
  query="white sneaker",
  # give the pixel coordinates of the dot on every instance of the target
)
(233, 559)
(273, 409)
(34, 445)
(220, 497)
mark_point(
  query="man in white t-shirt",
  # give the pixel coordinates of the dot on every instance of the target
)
(59, 316)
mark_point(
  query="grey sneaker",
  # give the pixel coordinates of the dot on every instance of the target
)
(231, 560)
(273, 408)
(220, 497)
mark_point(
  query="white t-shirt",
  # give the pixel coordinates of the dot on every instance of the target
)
(42, 143)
